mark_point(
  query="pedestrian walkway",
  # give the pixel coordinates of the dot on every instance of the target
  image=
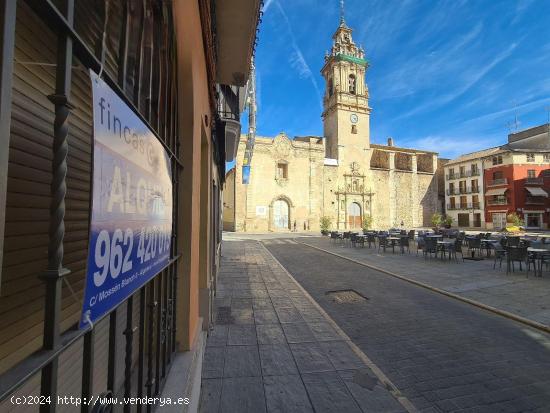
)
(527, 297)
(274, 350)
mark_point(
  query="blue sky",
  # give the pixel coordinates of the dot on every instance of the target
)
(444, 75)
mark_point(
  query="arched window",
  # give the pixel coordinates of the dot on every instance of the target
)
(330, 87)
(352, 84)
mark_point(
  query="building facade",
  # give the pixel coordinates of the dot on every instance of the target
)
(464, 201)
(165, 61)
(512, 178)
(342, 176)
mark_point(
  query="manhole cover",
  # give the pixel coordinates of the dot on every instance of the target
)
(346, 296)
(224, 316)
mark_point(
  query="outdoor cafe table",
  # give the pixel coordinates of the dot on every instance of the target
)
(539, 254)
(485, 243)
(393, 241)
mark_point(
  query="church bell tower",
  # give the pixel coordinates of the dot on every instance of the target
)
(346, 113)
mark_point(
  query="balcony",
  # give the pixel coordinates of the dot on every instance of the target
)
(498, 201)
(534, 181)
(535, 201)
(452, 176)
(453, 192)
(458, 207)
(474, 172)
(496, 182)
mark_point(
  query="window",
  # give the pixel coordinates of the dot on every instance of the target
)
(330, 87)
(352, 84)
(462, 171)
(462, 187)
(531, 173)
(547, 157)
(282, 170)
(497, 160)
(354, 129)
(475, 202)
(451, 173)
(354, 185)
(451, 189)
(530, 157)
(474, 169)
(498, 175)
(475, 187)
(452, 203)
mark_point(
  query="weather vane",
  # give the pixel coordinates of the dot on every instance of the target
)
(342, 11)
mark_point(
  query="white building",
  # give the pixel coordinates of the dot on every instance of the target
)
(464, 200)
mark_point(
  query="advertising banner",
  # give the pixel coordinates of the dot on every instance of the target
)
(131, 217)
(246, 174)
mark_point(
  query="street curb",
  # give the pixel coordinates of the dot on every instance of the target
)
(384, 380)
(502, 313)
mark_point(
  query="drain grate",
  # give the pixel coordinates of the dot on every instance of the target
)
(223, 316)
(346, 296)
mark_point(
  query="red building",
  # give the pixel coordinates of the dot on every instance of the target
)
(517, 179)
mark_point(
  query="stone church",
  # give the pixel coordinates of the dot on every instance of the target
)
(295, 182)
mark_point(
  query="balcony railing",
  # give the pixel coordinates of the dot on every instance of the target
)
(534, 181)
(463, 190)
(452, 176)
(498, 201)
(500, 181)
(453, 192)
(456, 207)
(474, 172)
(535, 200)
(463, 174)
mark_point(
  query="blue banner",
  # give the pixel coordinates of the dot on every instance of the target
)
(246, 174)
(131, 218)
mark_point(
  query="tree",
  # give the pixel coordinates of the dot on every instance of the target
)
(367, 222)
(515, 220)
(437, 220)
(448, 221)
(325, 223)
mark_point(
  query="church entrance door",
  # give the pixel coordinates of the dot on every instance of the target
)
(354, 215)
(280, 214)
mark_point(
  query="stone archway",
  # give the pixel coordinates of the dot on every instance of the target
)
(280, 214)
(354, 216)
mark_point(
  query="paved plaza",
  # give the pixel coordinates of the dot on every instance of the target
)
(443, 355)
(517, 293)
(272, 350)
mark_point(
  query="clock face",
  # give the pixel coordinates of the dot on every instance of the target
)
(354, 118)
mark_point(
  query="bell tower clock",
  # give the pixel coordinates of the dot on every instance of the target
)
(346, 112)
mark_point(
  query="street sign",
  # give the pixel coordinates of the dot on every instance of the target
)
(131, 216)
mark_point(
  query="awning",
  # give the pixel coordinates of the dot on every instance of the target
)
(496, 191)
(537, 191)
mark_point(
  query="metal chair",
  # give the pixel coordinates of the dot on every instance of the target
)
(382, 242)
(515, 254)
(404, 243)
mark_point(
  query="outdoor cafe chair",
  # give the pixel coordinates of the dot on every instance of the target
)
(500, 254)
(420, 243)
(411, 234)
(352, 239)
(430, 247)
(404, 243)
(512, 241)
(515, 254)
(473, 245)
(371, 239)
(382, 242)
(360, 239)
(454, 249)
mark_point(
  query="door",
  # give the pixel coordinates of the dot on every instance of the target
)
(477, 220)
(464, 220)
(280, 214)
(354, 215)
(499, 220)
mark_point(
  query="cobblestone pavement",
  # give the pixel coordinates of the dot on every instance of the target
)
(442, 354)
(516, 293)
(272, 350)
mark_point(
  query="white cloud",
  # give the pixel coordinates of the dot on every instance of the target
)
(297, 60)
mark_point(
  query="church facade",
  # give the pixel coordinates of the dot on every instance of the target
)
(293, 183)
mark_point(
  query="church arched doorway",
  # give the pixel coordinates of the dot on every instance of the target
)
(354, 215)
(281, 212)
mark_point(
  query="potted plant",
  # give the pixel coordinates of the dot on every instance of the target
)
(448, 221)
(367, 222)
(437, 220)
(325, 223)
(515, 223)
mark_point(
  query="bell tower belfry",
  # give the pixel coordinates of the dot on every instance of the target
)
(346, 113)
